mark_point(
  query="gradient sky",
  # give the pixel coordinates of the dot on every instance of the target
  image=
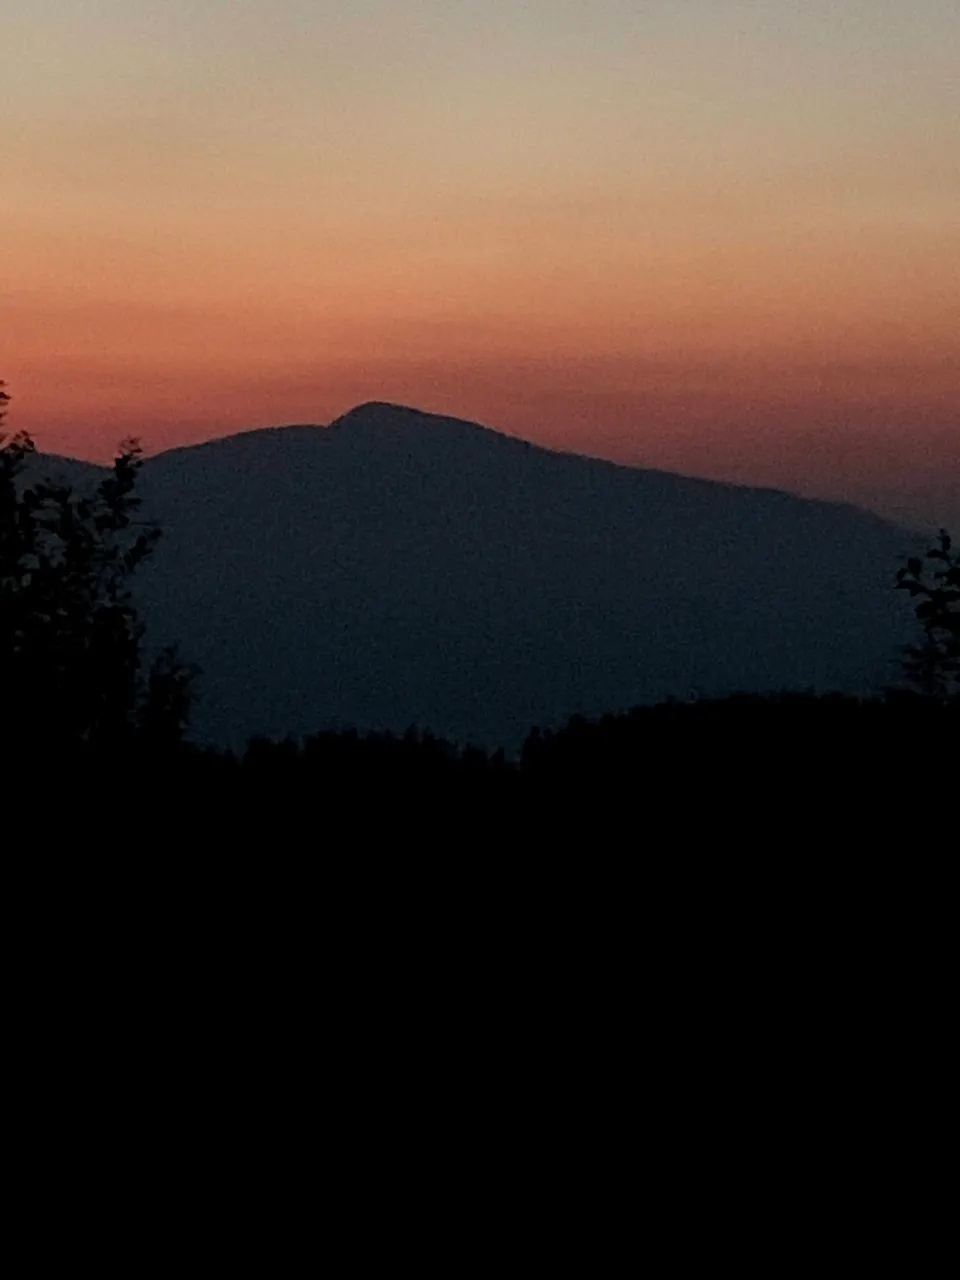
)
(719, 236)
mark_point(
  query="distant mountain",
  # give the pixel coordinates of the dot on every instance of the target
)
(56, 469)
(397, 567)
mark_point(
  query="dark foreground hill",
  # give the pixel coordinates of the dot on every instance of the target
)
(400, 568)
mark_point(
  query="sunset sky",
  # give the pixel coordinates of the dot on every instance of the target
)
(718, 236)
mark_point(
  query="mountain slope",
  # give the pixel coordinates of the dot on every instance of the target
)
(398, 567)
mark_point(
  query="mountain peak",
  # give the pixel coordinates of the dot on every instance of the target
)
(379, 408)
(382, 415)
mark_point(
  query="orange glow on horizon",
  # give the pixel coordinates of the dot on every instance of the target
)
(720, 238)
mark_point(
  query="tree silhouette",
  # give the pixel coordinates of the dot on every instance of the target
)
(72, 670)
(934, 665)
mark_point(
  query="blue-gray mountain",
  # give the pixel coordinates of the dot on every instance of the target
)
(398, 568)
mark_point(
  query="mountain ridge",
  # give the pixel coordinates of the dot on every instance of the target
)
(398, 568)
(72, 469)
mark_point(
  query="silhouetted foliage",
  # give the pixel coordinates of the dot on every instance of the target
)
(934, 666)
(782, 776)
(71, 643)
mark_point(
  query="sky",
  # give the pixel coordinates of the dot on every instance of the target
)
(716, 236)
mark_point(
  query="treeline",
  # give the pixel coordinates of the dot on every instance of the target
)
(717, 770)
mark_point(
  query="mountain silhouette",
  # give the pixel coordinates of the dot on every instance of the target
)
(399, 567)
